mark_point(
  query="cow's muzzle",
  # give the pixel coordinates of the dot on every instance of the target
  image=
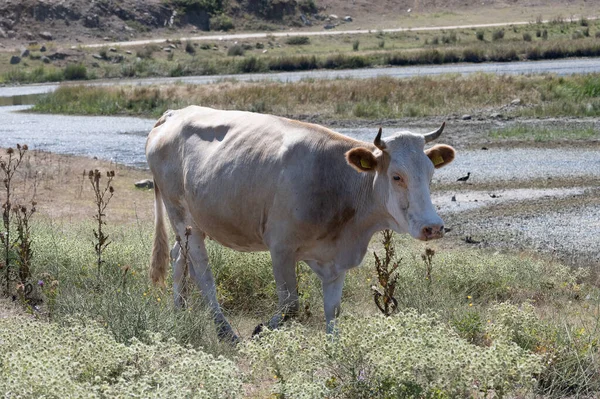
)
(431, 232)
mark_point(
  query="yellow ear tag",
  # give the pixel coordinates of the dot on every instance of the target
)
(365, 163)
(437, 160)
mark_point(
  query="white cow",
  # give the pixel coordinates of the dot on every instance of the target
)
(258, 182)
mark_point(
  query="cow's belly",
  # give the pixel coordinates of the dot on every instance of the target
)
(235, 229)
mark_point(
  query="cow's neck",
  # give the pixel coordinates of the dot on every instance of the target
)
(371, 217)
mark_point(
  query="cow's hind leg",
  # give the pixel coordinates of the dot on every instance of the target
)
(179, 271)
(284, 270)
(201, 274)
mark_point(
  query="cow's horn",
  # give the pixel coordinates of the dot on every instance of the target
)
(378, 142)
(435, 134)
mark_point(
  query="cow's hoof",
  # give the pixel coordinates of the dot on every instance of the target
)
(258, 329)
(228, 336)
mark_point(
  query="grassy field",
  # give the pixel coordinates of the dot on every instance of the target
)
(472, 323)
(379, 98)
(559, 38)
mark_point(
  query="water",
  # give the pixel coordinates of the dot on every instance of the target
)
(122, 140)
(118, 139)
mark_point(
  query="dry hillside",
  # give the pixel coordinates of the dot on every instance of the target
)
(76, 21)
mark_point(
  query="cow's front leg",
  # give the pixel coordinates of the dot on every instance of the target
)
(284, 270)
(332, 298)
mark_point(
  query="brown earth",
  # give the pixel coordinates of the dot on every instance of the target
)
(70, 22)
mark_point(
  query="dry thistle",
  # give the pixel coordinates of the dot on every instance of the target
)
(102, 197)
(387, 276)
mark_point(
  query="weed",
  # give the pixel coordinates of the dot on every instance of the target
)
(480, 34)
(387, 276)
(355, 45)
(102, 197)
(9, 168)
(527, 36)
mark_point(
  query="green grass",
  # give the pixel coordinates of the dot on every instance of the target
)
(560, 40)
(497, 312)
(533, 133)
(384, 97)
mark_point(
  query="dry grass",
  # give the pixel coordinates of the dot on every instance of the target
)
(383, 97)
(64, 194)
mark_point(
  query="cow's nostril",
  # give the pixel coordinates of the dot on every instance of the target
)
(427, 231)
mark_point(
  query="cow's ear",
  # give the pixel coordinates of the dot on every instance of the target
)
(362, 159)
(440, 155)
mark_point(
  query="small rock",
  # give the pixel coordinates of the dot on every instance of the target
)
(43, 48)
(329, 26)
(409, 10)
(45, 60)
(97, 56)
(173, 46)
(466, 117)
(348, 18)
(24, 52)
(46, 35)
(453, 199)
(3, 34)
(333, 16)
(11, 34)
(28, 35)
(516, 101)
(265, 51)
(112, 49)
(95, 65)
(106, 38)
(128, 52)
(484, 148)
(15, 59)
(145, 184)
(167, 49)
(305, 20)
(496, 115)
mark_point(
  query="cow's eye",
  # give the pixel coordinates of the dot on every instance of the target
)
(396, 178)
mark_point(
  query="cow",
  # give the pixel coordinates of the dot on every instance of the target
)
(256, 182)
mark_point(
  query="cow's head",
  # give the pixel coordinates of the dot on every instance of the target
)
(402, 173)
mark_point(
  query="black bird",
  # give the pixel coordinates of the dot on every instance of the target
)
(464, 178)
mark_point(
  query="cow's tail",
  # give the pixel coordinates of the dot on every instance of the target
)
(160, 248)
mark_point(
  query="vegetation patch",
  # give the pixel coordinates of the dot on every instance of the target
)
(384, 97)
(76, 359)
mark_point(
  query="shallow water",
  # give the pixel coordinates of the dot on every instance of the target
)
(122, 140)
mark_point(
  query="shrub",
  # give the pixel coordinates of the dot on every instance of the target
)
(221, 22)
(381, 43)
(405, 355)
(297, 40)
(235, 51)
(189, 48)
(480, 35)
(538, 33)
(83, 360)
(545, 34)
(75, 72)
(355, 45)
(498, 34)
(527, 36)
(577, 35)
(449, 39)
